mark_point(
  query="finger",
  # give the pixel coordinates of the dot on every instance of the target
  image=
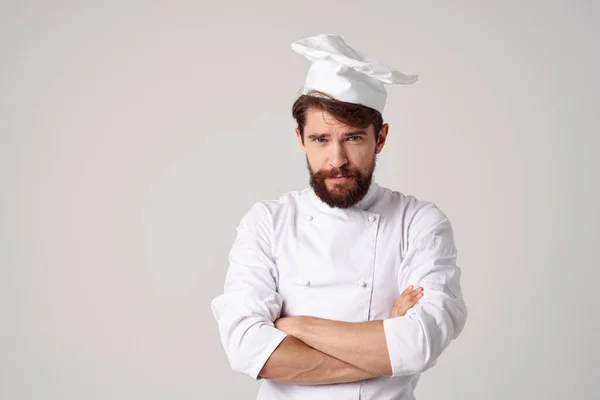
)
(408, 289)
(413, 298)
(417, 297)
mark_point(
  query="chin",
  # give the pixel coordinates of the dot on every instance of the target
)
(333, 186)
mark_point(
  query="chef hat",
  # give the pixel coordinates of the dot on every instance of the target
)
(345, 74)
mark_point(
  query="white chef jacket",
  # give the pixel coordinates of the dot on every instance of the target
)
(298, 256)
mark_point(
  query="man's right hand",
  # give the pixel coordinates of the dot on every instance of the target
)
(407, 300)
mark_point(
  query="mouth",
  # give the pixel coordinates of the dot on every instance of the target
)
(339, 178)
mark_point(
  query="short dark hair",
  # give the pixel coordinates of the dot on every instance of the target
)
(355, 115)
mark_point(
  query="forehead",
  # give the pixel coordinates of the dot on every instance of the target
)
(320, 121)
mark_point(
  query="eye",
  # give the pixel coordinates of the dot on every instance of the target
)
(354, 138)
(319, 140)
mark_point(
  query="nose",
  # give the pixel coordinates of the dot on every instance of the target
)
(337, 157)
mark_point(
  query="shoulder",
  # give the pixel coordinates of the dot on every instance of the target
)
(412, 207)
(267, 211)
(419, 215)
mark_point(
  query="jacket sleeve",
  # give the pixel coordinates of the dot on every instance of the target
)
(416, 340)
(250, 303)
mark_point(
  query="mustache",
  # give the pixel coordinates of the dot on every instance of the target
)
(345, 172)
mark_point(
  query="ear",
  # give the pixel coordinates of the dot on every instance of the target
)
(299, 137)
(381, 138)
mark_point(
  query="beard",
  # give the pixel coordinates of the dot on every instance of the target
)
(344, 194)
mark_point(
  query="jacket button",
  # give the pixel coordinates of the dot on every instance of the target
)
(362, 283)
(371, 218)
(309, 217)
(304, 283)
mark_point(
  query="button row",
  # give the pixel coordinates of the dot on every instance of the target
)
(361, 283)
(370, 219)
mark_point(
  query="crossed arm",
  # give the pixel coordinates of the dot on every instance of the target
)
(296, 362)
(320, 351)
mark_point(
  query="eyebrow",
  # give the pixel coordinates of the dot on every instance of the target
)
(347, 134)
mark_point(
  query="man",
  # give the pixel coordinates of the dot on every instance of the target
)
(312, 302)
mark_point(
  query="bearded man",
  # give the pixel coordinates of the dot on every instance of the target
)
(347, 289)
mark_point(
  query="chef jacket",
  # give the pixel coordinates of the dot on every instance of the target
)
(299, 256)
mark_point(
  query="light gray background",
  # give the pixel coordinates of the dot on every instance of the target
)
(135, 134)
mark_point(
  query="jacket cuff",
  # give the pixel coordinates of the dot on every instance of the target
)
(276, 337)
(404, 339)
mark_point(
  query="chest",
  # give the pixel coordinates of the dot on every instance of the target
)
(343, 267)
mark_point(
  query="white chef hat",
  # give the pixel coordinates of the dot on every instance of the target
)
(345, 74)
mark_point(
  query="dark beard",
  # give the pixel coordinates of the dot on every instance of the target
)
(339, 196)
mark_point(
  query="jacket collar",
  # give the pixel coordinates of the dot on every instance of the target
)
(367, 202)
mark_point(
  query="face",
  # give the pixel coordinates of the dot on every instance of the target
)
(341, 158)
